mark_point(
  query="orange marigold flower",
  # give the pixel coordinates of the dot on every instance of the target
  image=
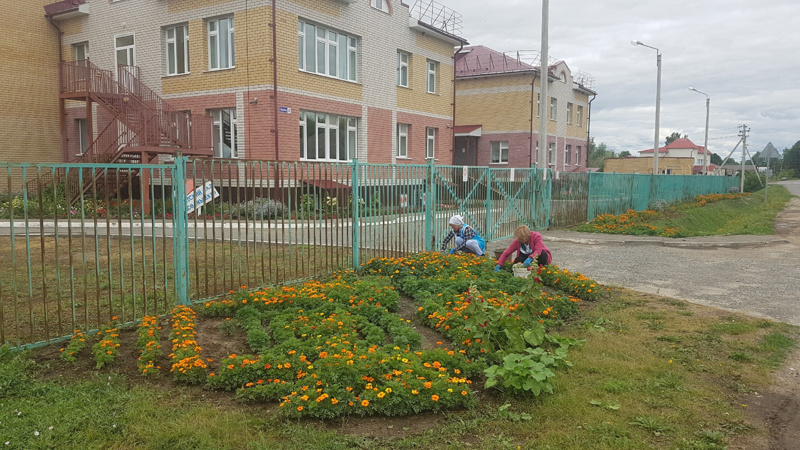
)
(364, 403)
(435, 397)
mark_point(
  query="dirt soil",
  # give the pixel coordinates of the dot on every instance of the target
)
(408, 310)
(777, 410)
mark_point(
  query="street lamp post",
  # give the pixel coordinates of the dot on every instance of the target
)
(658, 104)
(705, 154)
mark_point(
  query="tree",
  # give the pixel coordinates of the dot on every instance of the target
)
(791, 159)
(624, 154)
(674, 137)
(716, 159)
(598, 154)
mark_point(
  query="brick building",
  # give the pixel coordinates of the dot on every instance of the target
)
(498, 105)
(29, 100)
(332, 81)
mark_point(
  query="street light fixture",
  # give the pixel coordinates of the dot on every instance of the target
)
(658, 104)
(708, 106)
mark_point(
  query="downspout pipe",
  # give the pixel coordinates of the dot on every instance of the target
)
(533, 106)
(61, 112)
(588, 130)
(274, 26)
(454, 105)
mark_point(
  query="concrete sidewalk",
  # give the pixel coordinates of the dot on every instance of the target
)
(573, 237)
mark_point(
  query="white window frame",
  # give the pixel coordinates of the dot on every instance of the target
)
(129, 49)
(85, 47)
(402, 140)
(326, 40)
(551, 153)
(216, 114)
(569, 112)
(579, 116)
(538, 105)
(215, 61)
(430, 80)
(172, 41)
(381, 5)
(430, 143)
(567, 156)
(82, 126)
(497, 148)
(553, 108)
(402, 68)
(577, 155)
(328, 126)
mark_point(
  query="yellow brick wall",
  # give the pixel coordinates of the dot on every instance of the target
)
(289, 75)
(497, 111)
(415, 96)
(177, 6)
(328, 7)
(679, 166)
(257, 56)
(72, 26)
(435, 45)
(29, 123)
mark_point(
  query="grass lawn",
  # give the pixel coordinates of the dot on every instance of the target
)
(746, 215)
(652, 373)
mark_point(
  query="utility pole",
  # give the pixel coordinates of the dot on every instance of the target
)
(743, 135)
(541, 154)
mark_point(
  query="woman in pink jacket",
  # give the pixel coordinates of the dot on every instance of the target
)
(529, 247)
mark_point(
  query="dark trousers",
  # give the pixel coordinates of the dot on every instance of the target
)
(542, 260)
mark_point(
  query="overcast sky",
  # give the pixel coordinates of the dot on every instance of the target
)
(744, 54)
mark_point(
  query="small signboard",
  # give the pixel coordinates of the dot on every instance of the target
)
(465, 174)
(196, 198)
(404, 200)
(512, 175)
(285, 109)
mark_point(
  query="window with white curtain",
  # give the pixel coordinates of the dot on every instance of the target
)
(500, 152)
(328, 137)
(402, 140)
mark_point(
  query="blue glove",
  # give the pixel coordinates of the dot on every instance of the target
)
(452, 251)
(497, 268)
(527, 262)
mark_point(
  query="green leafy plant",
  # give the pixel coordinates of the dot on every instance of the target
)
(105, 351)
(504, 412)
(75, 345)
(526, 373)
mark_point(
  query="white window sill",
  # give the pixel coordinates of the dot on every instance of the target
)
(499, 163)
(404, 87)
(328, 76)
(178, 74)
(403, 157)
(219, 70)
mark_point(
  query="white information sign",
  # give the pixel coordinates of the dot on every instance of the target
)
(198, 197)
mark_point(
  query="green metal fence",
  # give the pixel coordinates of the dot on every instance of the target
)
(84, 243)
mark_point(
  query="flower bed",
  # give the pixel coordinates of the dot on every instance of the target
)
(75, 345)
(149, 346)
(105, 351)
(702, 200)
(187, 366)
(572, 283)
(630, 223)
(338, 348)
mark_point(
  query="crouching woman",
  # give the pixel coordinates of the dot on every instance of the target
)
(467, 239)
(529, 247)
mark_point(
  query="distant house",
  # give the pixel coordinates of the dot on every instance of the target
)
(682, 148)
(498, 108)
(675, 165)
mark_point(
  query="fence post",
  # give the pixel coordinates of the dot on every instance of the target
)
(488, 203)
(354, 200)
(429, 237)
(589, 215)
(180, 235)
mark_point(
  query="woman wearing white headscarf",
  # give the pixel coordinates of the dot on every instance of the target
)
(467, 239)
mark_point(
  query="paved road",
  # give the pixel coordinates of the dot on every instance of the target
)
(762, 281)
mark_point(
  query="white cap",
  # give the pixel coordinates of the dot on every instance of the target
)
(456, 220)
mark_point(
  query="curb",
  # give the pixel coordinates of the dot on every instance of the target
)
(672, 244)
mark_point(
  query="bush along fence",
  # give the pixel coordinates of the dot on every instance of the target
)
(87, 242)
